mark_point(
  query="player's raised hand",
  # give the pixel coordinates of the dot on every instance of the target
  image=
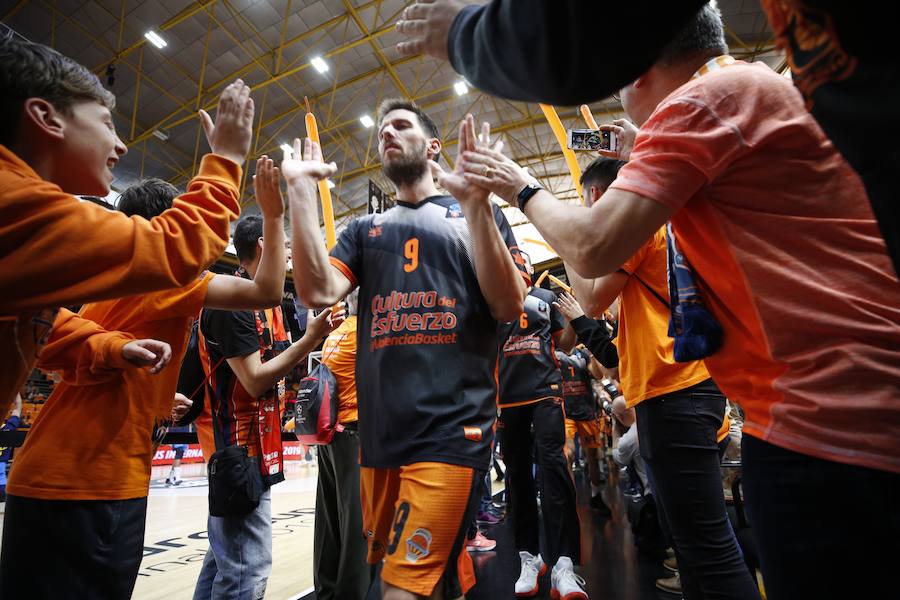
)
(230, 134)
(455, 181)
(304, 167)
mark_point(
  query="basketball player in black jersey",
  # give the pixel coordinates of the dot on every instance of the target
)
(435, 275)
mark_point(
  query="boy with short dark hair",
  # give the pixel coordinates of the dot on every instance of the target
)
(57, 139)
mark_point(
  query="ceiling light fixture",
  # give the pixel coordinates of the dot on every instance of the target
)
(330, 184)
(155, 39)
(461, 88)
(318, 64)
(367, 121)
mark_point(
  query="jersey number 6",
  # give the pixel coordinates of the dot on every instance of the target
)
(523, 321)
(411, 252)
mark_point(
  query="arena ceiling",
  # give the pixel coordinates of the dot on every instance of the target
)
(269, 44)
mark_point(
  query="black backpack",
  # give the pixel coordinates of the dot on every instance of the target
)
(316, 409)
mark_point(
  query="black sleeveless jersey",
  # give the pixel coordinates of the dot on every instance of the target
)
(529, 370)
(427, 358)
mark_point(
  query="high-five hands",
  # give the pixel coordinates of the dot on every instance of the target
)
(232, 131)
(455, 182)
(304, 167)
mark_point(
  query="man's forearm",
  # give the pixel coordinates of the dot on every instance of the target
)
(499, 279)
(584, 291)
(270, 372)
(314, 277)
(269, 279)
(550, 48)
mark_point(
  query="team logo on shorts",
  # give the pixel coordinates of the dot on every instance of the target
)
(418, 545)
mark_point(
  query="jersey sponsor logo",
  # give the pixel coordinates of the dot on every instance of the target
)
(517, 345)
(543, 307)
(402, 313)
(454, 211)
(472, 433)
(418, 545)
(375, 231)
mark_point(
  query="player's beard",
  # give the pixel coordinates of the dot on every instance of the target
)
(408, 168)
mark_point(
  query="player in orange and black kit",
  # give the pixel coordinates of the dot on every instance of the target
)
(531, 394)
(582, 417)
(435, 275)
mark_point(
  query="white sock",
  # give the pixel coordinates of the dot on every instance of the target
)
(171, 473)
(177, 472)
(595, 489)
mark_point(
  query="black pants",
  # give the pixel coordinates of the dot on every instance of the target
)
(561, 529)
(677, 434)
(823, 529)
(82, 549)
(340, 570)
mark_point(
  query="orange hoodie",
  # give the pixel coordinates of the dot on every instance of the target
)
(56, 250)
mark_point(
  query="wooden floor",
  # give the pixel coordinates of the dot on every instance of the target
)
(175, 540)
(175, 544)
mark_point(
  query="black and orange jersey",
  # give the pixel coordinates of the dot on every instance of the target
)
(528, 367)
(244, 420)
(427, 359)
(578, 394)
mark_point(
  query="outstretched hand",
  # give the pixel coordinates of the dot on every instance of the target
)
(426, 25)
(455, 182)
(568, 306)
(303, 167)
(267, 184)
(232, 131)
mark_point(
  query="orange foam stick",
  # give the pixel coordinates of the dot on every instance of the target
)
(541, 278)
(561, 284)
(312, 131)
(560, 132)
(588, 117)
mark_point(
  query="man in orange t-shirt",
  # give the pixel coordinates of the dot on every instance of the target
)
(788, 258)
(115, 410)
(340, 569)
(679, 412)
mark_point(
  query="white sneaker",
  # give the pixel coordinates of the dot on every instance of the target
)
(532, 568)
(564, 583)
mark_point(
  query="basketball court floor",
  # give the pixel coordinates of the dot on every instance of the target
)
(175, 544)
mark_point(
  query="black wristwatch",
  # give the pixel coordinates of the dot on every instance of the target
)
(525, 195)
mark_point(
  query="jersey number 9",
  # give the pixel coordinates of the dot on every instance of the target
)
(411, 252)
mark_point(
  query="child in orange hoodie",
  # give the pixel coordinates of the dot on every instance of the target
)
(116, 411)
(57, 139)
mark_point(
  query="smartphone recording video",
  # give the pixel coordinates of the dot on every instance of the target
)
(591, 139)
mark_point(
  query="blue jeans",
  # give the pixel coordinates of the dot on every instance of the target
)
(677, 434)
(239, 559)
(823, 529)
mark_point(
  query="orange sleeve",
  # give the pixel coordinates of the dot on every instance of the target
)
(82, 351)
(56, 250)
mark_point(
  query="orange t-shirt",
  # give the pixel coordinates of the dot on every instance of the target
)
(339, 355)
(788, 256)
(93, 442)
(646, 362)
(47, 260)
